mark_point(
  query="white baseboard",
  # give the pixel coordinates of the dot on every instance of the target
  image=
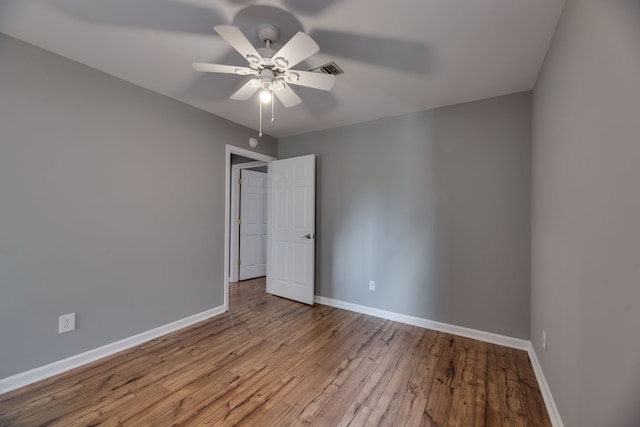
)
(516, 343)
(46, 371)
(552, 409)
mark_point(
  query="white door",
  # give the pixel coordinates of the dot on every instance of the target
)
(292, 233)
(253, 224)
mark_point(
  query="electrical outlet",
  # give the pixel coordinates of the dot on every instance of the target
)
(372, 285)
(66, 323)
(544, 340)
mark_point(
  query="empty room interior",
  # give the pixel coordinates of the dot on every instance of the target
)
(290, 212)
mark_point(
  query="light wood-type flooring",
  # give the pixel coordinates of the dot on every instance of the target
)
(274, 362)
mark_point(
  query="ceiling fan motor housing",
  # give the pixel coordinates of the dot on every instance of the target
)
(268, 33)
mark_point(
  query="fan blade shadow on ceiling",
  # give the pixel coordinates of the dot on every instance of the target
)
(215, 88)
(401, 55)
(241, 2)
(317, 102)
(307, 7)
(301, 7)
(164, 15)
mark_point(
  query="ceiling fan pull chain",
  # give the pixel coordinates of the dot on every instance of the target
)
(260, 106)
(272, 107)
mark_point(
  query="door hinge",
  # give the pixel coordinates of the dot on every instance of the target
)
(240, 181)
(239, 221)
(238, 261)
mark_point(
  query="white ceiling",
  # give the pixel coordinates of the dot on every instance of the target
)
(398, 56)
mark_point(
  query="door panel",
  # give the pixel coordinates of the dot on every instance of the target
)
(292, 233)
(253, 226)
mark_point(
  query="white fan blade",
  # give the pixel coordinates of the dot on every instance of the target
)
(312, 80)
(246, 91)
(299, 48)
(228, 69)
(239, 42)
(288, 97)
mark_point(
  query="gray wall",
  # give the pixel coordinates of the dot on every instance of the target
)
(111, 206)
(586, 214)
(433, 206)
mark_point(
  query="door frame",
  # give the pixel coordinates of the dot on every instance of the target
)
(234, 235)
(229, 150)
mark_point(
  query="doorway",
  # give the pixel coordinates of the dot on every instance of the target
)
(248, 235)
(262, 159)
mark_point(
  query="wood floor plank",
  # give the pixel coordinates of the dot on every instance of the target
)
(360, 378)
(251, 394)
(439, 402)
(355, 415)
(280, 415)
(464, 386)
(487, 396)
(345, 353)
(27, 408)
(422, 377)
(388, 405)
(411, 411)
(358, 366)
(396, 342)
(186, 402)
(270, 361)
(110, 412)
(536, 409)
(513, 410)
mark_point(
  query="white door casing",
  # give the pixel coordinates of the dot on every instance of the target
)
(253, 225)
(292, 228)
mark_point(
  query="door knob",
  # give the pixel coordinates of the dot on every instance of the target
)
(309, 236)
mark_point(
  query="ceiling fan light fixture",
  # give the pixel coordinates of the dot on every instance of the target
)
(265, 96)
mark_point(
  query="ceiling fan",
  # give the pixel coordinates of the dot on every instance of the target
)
(271, 70)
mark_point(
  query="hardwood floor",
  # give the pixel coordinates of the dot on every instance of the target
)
(274, 362)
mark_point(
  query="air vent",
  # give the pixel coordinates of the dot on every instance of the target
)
(330, 68)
